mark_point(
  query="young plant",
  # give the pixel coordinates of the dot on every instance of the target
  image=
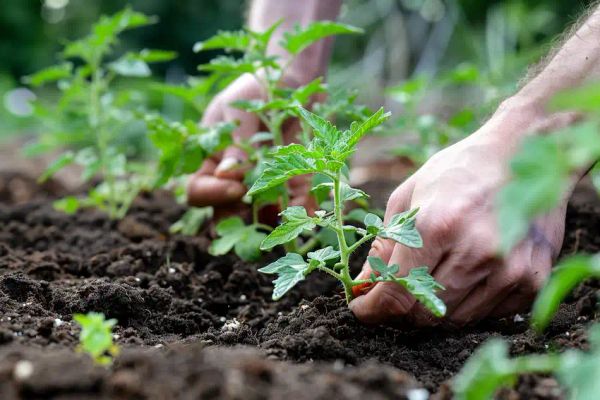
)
(96, 337)
(93, 113)
(491, 368)
(273, 110)
(326, 155)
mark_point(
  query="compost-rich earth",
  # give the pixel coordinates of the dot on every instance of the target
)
(195, 326)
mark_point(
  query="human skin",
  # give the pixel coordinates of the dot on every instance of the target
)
(219, 180)
(456, 190)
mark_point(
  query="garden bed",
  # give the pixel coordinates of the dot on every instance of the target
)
(196, 326)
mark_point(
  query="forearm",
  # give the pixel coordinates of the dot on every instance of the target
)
(313, 61)
(575, 62)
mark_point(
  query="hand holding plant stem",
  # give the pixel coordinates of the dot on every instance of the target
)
(326, 155)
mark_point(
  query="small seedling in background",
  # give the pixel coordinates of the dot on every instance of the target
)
(276, 108)
(326, 155)
(96, 337)
(94, 115)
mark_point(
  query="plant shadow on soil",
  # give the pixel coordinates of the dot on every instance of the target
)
(197, 326)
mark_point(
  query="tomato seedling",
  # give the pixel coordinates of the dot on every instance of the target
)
(94, 114)
(326, 155)
(280, 98)
(96, 337)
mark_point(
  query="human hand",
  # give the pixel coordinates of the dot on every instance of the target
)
(456, 190)
(219, 182)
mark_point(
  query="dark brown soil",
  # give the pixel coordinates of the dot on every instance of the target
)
(197, 326)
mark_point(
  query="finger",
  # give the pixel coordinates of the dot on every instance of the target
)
(534, 259)
(234, 159)
(213, 113)
(398, 201)
(387, 300)
(206, 190)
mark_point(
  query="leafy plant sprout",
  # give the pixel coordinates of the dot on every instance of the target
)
(96, 337)
(96, 113)
(326, 155)
(276, 107)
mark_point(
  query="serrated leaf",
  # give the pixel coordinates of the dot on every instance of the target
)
(282, 168)
(296, 221)
(50, 74)
(300, 38)
(226, 40)
(402, 229)
(423, 287)
(357, 130)
(347, 193)
(290, 270)
(326, 135)
(62, 161)
(485, 372)
(373, 223)
(243, 239)
(387, 272)
(324, 255)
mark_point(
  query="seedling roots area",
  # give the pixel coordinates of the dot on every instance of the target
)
(194, 326)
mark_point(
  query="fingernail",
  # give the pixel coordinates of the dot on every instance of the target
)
(228, 164)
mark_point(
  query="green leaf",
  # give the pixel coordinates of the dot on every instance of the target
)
(131, 67)
(296, 221)
(324, 255)
(351, 137)
(347, 193)
(62, 161)
(227, 40)
(303, 94)
(233, 234)
(189, 224)
(326, 135)
(96, 335)
(409, 91)
(50, 74)
(568, 274)
(423, 287)
(540, 175)
(300, 38)
(283, 167)
(229, 232)
(373, 223)
(216, 138)
(384, 271)
(402, 229)
(290, 270)
(68, 205)
(236, 67)
(485, 372)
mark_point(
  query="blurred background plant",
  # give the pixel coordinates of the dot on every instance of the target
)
(405, 38)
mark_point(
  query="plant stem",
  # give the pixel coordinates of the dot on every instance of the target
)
(344, 274)
(308, 246)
